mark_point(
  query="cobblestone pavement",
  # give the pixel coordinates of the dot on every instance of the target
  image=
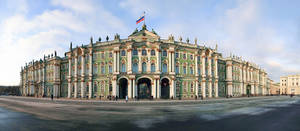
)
(75, 114)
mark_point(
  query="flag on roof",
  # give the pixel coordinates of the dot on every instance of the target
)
(142, 18)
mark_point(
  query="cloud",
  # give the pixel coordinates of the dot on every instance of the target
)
(26, 38)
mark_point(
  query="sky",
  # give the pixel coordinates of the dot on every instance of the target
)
(266, 32)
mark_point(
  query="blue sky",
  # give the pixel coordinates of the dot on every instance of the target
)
(266, 32)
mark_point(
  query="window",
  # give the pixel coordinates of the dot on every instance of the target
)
(110, 69)
(165, 68)
(110, 54)
(103, 69)
(123, 53)
(144, 67)
(177, 69)
(176, 55)
(192, 87)
(135, 67)
(184, 69)
(95, 70)
(152, 67)
(191, 70)
(152, 52)
(184, 56)
(191, 57)
(102, 55)
(165, 53)
(123, 68)
(198, 57)
(144, 52)
(199, 71)
(135, 52)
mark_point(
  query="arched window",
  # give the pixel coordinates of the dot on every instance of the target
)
(153, 52)
(191, 57)
(110, 54)
(191, 70)
(144, 67)
(152, 67)
(176, 55)
(184, 69)
(144, 52)
(135, 67)
(123, 53)
(184, 56)
(165, 53)
(177, 69)
(164, 68)
(123, 68)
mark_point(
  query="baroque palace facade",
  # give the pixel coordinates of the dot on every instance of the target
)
(142, 66)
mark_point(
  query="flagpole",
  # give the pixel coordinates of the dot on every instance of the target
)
(144, 18)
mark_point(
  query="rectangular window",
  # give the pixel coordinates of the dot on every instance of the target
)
(165, 53)
(176, 55)
(110, 69)
(103, 69)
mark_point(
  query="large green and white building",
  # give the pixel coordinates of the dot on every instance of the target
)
(142, 66)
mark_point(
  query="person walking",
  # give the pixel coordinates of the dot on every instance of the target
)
(52, 97)
(126, 98)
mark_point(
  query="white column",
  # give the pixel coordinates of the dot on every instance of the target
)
(149, 61)
(153, 91)
(129, 59)
(252, 89)
(229, 77)
(173, 62)
(241, 80)
(118, 61)
(82, 76)
(174, 88)
(203, 81)
(115, 62)
(76, 77)
(171, 88)
(130, 88)
(210, 77)
(216, 76)
(91, 74)
(157, 67)
(134, 88)
(197, 88)
(69, 77)
(196, 65)
(114, 87)
(169, 62)
(158, 89)
(140, 60)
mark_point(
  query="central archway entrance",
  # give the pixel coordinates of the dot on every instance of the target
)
(165, 88)
(123, 88)
(144, 88)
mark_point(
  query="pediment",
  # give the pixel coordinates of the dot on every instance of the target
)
(144, 35)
